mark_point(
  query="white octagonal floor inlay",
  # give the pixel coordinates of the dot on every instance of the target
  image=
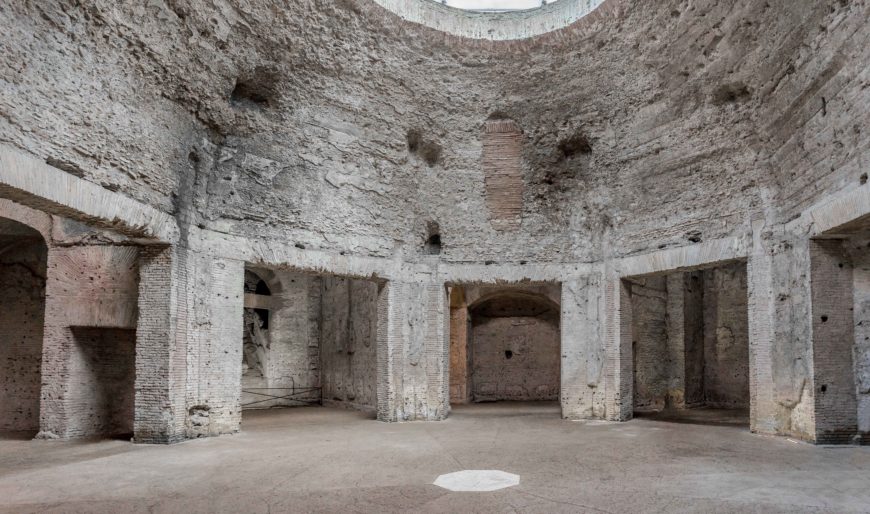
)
(477, 480)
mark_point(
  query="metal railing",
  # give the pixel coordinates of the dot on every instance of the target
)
(301, 395)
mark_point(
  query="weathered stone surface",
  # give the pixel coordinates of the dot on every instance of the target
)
(195, 137)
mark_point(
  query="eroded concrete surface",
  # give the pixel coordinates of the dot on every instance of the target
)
(317, 459)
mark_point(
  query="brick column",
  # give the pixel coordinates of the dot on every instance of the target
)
(161, 346)
(861, 293)
(836, 408)
(57, 345)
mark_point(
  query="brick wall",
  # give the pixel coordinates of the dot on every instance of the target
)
(88, 288)
(22, 310)
(649, 330)
(159, 412)
(861, 280)
(833, 341)
(503, 173)
(460, 359)
(726, 337)
(100, 394)
(516, 358)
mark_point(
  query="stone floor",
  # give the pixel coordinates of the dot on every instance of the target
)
(316, 459)
(700, 416)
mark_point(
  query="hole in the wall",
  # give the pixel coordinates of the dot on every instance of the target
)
(577, 144)
(824, 319)
(731, 93)
(499, 115)
(427, 150)
(433, 244)
(824, 388)
(433, 239)
(300, 246)
(508, 354)
(256, 89)
(245, 92)
(694, 236)
(863, 178)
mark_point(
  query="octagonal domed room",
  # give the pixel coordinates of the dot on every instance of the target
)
(434, 256)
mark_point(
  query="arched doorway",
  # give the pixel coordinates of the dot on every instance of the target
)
(505, 344)
(514, 343)
(23, 258)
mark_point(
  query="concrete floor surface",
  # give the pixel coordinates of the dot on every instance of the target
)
(316, 459)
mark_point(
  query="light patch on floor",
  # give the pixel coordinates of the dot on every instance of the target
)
(477, 480)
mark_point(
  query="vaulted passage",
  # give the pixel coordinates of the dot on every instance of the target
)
(504, 344)
(309, 339)
(23, 256)
(690, 345)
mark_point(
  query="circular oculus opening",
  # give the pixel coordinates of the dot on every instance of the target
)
(495, 20)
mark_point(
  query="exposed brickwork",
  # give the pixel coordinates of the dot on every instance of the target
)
(100, 398)
(649, 342)
(726, 337)
(833, 340)
(503, 173)
(89, 289)
(22, 310)
(160, 391)
(460, 359)
(389, 351)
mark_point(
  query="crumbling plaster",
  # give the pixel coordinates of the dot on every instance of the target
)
(718, 130)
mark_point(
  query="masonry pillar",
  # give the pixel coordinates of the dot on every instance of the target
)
(833, 339)
(676, 327)
(780, 351)
(582, 352)
(459, 351)
(861, 279)
(413, 351)
(188, 345)
(161, 346)
(618, 377)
